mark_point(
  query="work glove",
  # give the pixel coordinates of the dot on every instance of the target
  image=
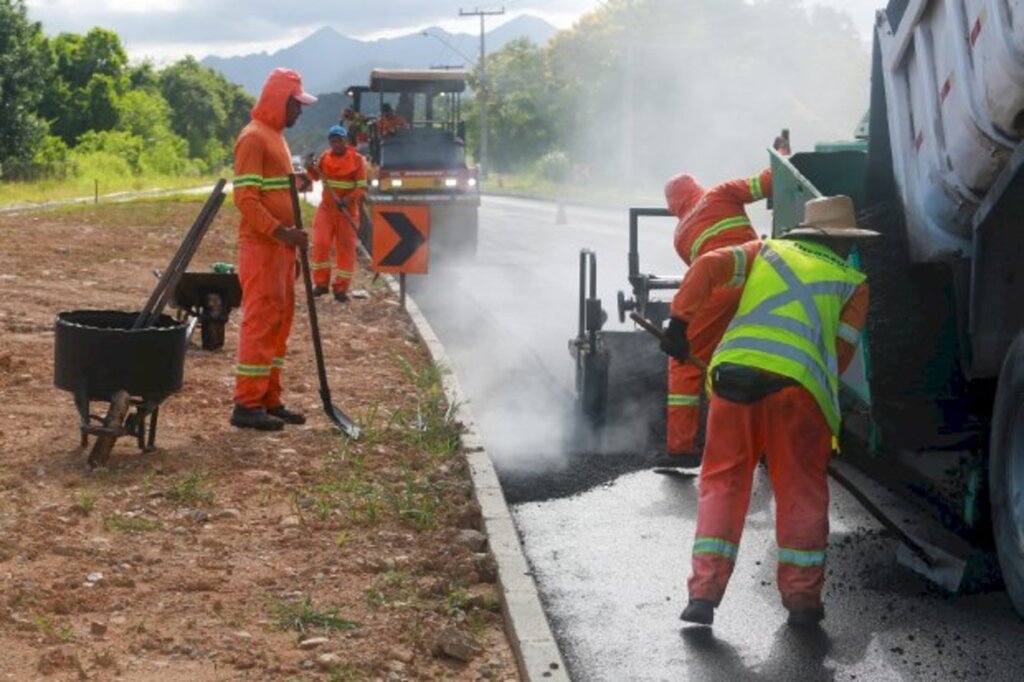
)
(675, 344)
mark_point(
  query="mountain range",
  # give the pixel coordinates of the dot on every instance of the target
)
(330, 61)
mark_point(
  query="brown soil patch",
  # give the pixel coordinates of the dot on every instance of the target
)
(213, 557)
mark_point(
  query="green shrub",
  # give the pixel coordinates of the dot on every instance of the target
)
(553, 166)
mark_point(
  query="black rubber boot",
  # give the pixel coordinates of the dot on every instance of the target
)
(256, 418)
(341, 297)
(806, 618)
(663, 460)
(699, 611)
(319, 291)
(286, 415)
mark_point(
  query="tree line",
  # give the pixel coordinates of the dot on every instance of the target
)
(640, 89)
(75, 99)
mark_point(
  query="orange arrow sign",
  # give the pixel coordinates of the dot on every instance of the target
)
(401, 237)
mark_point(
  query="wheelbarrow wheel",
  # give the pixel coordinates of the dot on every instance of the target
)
(116, 415)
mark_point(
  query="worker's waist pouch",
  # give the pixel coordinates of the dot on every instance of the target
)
(742, 384)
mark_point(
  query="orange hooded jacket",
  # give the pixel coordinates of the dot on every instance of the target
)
(714, 218)
(263, 163)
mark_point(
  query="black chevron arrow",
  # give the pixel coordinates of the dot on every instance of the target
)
(411, 238)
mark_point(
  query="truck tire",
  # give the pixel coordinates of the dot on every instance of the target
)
(1006, 472)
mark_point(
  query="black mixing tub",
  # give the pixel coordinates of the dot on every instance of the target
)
(99, 358)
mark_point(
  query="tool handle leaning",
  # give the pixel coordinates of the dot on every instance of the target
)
(307, 280)
(653, 329)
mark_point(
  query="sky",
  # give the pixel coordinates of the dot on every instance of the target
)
(166, 30)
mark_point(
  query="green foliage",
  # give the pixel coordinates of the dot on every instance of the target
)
(51, 149)
(645, 88)
(303, 616)
(193, 490)
(22, 70)
(553, 166)
(519, 106)
(208, 111)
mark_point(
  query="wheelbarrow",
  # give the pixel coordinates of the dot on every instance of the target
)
(209, 297)
(98, 357)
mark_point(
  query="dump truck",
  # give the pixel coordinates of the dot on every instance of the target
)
(934, 402)
(423, 163)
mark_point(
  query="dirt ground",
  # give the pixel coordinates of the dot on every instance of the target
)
(229, 554)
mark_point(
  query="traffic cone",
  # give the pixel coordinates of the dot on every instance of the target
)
(560, 217)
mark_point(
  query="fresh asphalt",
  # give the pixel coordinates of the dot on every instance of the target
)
(610, 546)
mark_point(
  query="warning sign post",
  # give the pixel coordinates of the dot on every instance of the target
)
(401, 236)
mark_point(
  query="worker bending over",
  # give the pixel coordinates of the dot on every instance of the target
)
(267, 240)
(343, 171)
(775, 390)
(708, 219)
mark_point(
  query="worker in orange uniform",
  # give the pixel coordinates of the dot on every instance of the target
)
(355, 124)
(390, 122)
(267, 240)
(343, 171)
(708, 219)
(774, 390)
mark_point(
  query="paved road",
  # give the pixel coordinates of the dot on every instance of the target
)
(612, 561)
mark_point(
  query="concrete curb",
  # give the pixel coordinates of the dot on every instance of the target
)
(528, 630)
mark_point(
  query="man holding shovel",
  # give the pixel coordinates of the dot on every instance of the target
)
(343, 172)
(267, 241)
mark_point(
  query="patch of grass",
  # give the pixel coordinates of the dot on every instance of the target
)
(87, 501)
(347, 673)
(303, 616)
(130, 524)
(430, 426)
(64, 633)
(417, 502)
(193, 491)
(18, 193)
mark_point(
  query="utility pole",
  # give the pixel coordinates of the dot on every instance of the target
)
(483, 14)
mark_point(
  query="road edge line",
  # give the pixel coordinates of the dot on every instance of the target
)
(526, 624)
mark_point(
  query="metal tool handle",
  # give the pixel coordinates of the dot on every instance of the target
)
(653, 329)
(181, 259)
(307, 280)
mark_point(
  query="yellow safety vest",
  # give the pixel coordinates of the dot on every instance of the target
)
(788, 318)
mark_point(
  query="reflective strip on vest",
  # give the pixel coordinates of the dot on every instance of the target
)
(244, 370)
(739, 268)
(341, 184)
(247, 181)
(801, 557)
(722, 548)
(849, 334)
(683, 400)
(268, 184)
(717, 228)
(278, 363)
(814, 364)
(756, 191)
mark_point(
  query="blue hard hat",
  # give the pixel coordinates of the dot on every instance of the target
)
(337, 130)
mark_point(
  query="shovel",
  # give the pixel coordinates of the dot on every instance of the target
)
(652, 329)
(340, 419)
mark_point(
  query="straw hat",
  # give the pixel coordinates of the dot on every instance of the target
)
(831, 217)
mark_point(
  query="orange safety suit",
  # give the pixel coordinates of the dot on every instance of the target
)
(389, 123)
(708, 219)
(266, 266)
(344, 177)
(789, 428)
